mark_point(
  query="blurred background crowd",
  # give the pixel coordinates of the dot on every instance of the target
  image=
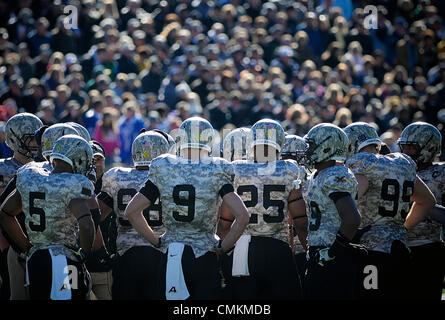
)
(131, 64)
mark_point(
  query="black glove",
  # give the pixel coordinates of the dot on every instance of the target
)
(99, 261)
(358, 251)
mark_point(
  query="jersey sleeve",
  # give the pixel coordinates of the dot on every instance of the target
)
(150, 190)
(106, 193)
(76, 186)
(361, 163)
(225, 176)
(340, 180)
(294, 172)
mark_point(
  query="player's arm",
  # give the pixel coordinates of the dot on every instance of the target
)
(363, 184)
(348, 211)
(10, 187)
(105, 203)
(96, 216)
(297, 212)
(225, 221)
(423, 201)
(9, 210)
(143, 199)
(81, 211)
(239, 212)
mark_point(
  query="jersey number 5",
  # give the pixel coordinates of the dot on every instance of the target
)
(37, 211)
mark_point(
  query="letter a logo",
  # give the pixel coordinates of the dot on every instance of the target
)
(173, 289)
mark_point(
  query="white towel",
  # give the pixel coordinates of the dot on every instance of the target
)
(175, 287)
(61, 287)
(240, 265)
(60, 282)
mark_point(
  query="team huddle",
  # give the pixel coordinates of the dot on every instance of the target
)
(332, 215)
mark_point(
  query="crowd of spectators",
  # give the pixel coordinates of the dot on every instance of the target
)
(131, 64)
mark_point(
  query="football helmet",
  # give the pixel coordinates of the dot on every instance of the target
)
(147, 146)
(195, 132)
(426, 136)
(325, 142)
(171, 141)
(20, 130)
(53, 133)
(294, 147)
(360, 135)
(268, 132)
(75, 151)
(236, 144)
(83, 132)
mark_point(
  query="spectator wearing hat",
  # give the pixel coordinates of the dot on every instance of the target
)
(25, 65)
(126, 63)
(151, 79)
(34, 93)
(38, 36)
(46, 112)
(62, 39)
(14, 91)
(167, 91)
(285, 61)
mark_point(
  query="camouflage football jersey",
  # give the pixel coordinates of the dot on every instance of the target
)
(121, 184)
(189, 192)
(265, 194)
(385, 204)
(45, 200)
(324, 220)
(428, 231)
(8, 169)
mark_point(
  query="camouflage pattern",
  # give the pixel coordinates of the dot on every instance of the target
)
(189, 192)
(83, 132)
(428, 231)
(8, 169)
(53, 133)
(121, 184)
(195, 132)
(147, 146)
(75, 151)
(18, 128)
(171, 141)
(268, 132)
(426, 136)
(326, 142)
(385, 204)
(360, 135)
(265, 194)
(45, 199)
(324, 220)
(236, 144)
(39, 164)
(57, 251)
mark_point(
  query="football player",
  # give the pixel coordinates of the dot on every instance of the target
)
(271, 193)
(423, 142)
(334, 217)
(189, 187)
(236, 144)
(56, 209)
(294, 147)
(19, 134)
(386, 184)
(133, 278)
